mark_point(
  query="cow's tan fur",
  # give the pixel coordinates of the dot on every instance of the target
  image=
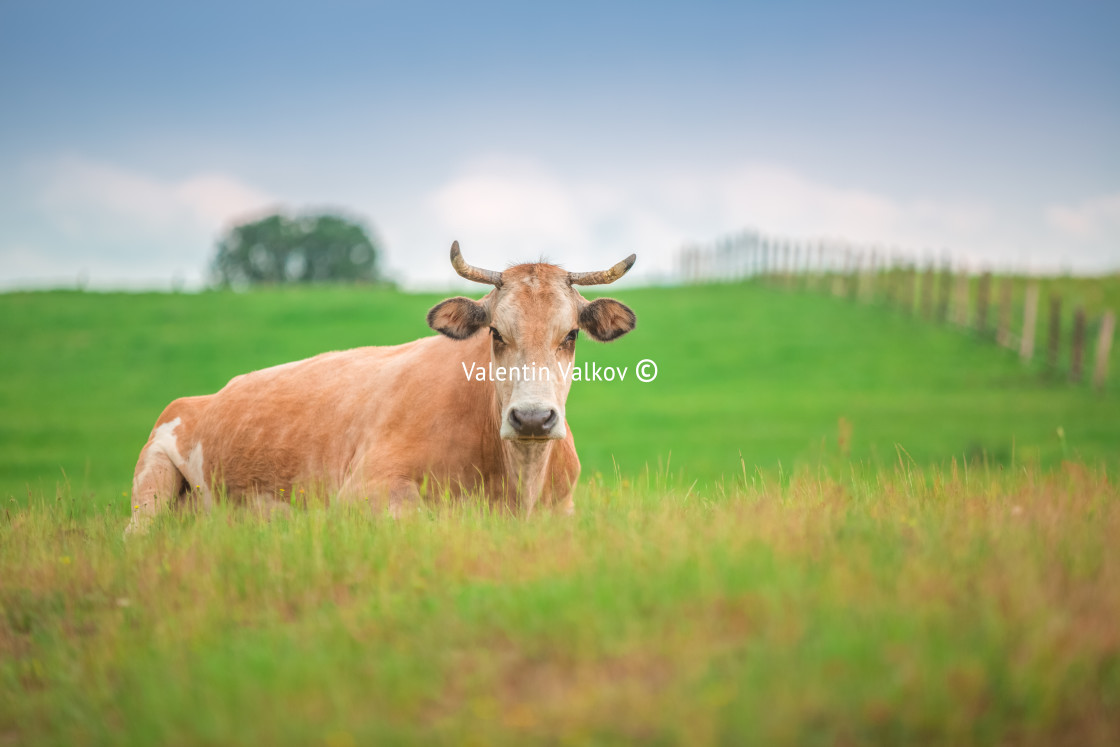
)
(378, 422)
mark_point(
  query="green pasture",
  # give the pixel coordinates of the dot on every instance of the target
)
(823, 523)
(747, 374)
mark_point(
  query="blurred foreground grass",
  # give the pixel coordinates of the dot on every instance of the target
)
(964, 605)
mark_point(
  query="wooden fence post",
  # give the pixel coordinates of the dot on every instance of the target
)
(1104, 346)
(1055, 330)
(898, 269)
(927, 292)
(1003, 333)
(943, 287)
(898, 280)
(867, 278)
(983, 290)
(960, 302)
(1078, 351)
(835, 272)
(851, 282)
(913, 283)
(854, 272)
(1030, 317)
(793, 264)
(888, 280)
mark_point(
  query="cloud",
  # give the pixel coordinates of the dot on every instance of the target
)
(82, 191)
(783, 201)
(505, 209)
(517, 197)
(120, 226)
(515, 209)
(1097, 218)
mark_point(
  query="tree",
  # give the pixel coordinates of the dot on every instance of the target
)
(281, 249)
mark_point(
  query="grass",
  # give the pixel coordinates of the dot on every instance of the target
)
(824, 522)
(744, 370)
(956, 606)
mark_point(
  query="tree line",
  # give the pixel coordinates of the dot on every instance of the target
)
(283, 249)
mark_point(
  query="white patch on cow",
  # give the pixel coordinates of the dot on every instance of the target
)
(536, 394)
(163, 442)
(194, 471)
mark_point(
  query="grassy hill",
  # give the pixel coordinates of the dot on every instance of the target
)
(745, 371)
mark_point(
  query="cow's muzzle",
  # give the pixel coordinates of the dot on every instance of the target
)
(533, 422)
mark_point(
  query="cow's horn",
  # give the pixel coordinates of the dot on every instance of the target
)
(470, 272)
(602, 277)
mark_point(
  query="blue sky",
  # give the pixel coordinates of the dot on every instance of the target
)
(133, 134)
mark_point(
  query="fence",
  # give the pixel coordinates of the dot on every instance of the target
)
(1003, 309)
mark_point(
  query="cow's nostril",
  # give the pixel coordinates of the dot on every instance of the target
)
(532, 423)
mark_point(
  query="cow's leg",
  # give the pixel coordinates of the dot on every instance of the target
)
(267, 506)
(157, 484)
(563, 471)
(404, 497)
(396, 494)
(164, 474)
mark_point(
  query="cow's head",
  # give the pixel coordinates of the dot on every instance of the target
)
(533, 317)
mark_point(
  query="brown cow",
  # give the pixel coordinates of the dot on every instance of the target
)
(479, 407)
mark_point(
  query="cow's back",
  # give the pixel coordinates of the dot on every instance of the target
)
(346, 418)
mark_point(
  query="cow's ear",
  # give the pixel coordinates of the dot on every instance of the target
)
(458, 317)
(606, 319)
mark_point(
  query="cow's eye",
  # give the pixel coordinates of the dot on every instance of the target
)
(497, 336)
(571, 338)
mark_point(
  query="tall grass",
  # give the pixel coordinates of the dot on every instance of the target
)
(964, 605)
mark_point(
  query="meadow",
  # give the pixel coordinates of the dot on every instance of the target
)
(823, 522)
(744, 370)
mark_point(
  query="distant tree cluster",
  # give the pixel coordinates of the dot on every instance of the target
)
(282, 249)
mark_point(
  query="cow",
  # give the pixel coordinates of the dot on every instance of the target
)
(478, 409)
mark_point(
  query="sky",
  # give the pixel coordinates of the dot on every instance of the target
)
(133, 135)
